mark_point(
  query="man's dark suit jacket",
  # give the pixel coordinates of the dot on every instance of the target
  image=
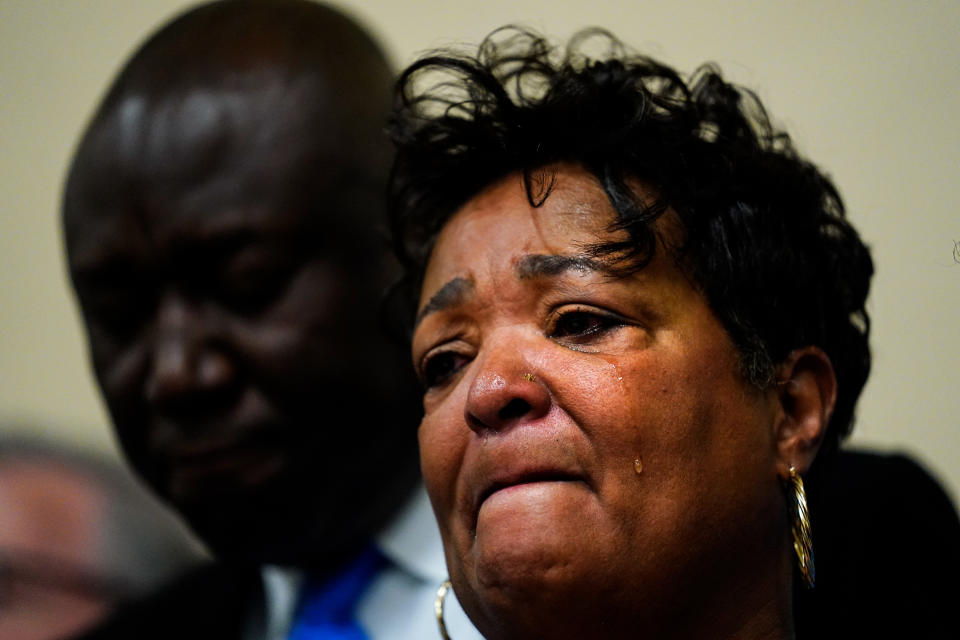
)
(886, 542)
(212, 602)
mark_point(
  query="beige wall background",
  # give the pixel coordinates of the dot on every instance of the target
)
(869, 90)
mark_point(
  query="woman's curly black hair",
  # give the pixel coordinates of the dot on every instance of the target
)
(764, 231)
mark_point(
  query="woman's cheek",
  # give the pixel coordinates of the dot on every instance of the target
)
(441, 455)
(597, 383)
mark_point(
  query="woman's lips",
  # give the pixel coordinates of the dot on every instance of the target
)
(528, 460)
(507, 483)
(534, 477)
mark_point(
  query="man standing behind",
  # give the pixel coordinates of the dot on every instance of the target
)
(222, 218)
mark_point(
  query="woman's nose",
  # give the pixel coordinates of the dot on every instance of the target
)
(507, 390)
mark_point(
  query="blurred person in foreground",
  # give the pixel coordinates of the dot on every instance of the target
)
(223, 228)
(640, 326)
(78, 538)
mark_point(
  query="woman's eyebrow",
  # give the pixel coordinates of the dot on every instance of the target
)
(450, 294)
(545, 265)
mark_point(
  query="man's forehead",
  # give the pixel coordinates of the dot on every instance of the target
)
(204, 146)
(258, 115)
(257, 148)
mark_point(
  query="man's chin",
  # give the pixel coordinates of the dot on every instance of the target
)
(242, 525)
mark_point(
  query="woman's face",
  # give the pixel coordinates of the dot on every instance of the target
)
(588, 443)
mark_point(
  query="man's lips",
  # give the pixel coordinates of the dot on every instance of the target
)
(214, 442)
(215, 457)
(218, 467)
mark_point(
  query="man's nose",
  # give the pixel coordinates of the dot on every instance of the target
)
(508, 388)
(190, 358)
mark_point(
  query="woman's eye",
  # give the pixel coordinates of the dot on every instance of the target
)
(582, 324)
(440, 367)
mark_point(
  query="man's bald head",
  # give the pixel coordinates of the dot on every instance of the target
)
(223, 223)
(289, 72)
(248, 34)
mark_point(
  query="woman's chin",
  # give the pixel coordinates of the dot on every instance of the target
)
(528, 536)
(526, 569)
(525, 603)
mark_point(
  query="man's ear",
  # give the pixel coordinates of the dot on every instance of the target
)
(807, 393)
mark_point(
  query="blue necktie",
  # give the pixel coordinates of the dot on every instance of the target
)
(326, 610)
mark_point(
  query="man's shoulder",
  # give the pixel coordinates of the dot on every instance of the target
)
(886, 550)
(857, 483)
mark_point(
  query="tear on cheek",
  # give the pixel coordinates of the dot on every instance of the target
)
(617, 374)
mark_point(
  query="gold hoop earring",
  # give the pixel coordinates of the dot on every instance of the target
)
(800, 527)
(438, 608)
